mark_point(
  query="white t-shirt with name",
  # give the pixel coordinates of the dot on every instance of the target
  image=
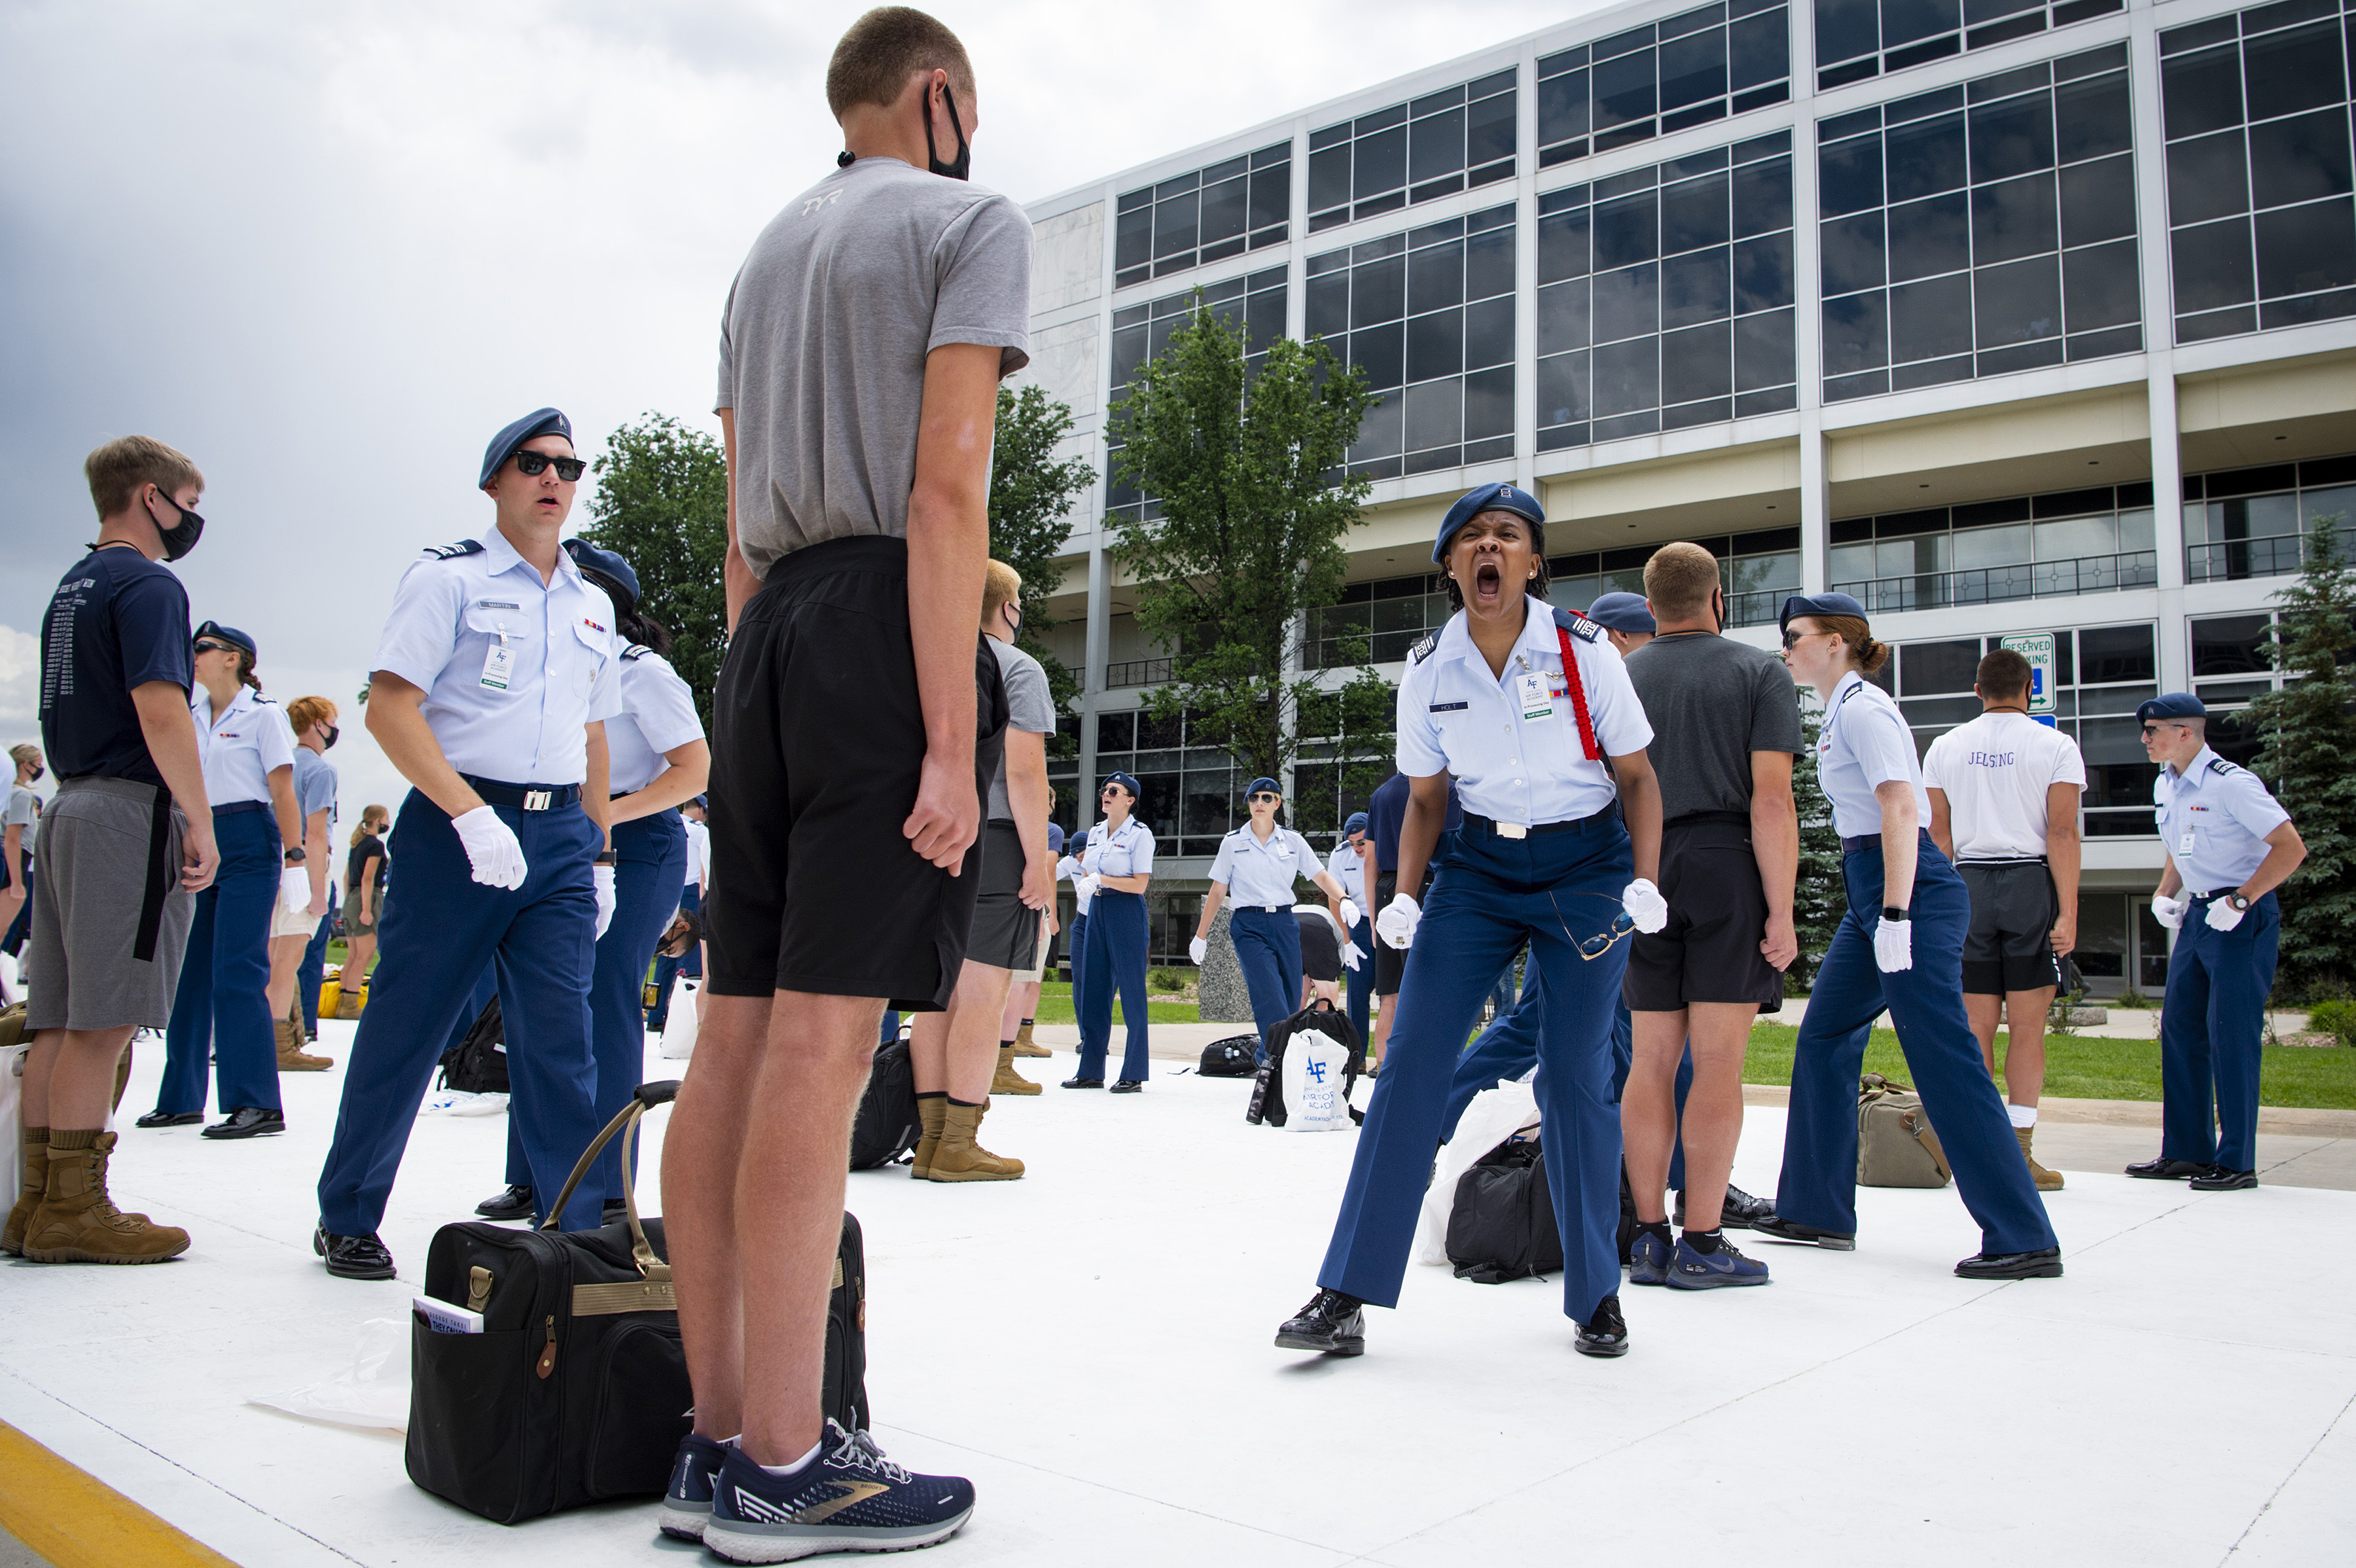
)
(1995, 771)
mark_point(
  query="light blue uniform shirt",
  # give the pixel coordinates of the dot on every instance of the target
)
(315, 784)
(2213, 820)
(1261, 875)
(1513, 742)
(1865, 744)
(1129, 853)
(511, 669)
(1068, 869)
(242, 745)
(1345, 864)
(658, 715)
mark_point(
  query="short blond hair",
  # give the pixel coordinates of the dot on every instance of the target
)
(116, 470)
(25, 753)
(883, 49)
(1680, 578)
(1001, 586)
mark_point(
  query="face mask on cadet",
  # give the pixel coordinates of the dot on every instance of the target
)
(959, 168)
(36, 774)
(182, 536)
(327, 741)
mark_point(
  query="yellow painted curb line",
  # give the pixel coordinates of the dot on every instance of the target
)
(76, 1520)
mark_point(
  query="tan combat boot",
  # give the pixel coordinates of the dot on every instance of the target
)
(78, 1223)
(291, 1057)
(28, 1196)
(1024, 1046)
(1008, 1081)
(959, 1158)
(929, 1110)
(2047, 1181)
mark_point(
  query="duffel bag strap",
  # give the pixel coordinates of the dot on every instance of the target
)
(626, 1123)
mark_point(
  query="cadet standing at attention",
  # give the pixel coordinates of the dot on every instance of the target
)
(2229, 844)
(1115, 865)
(491, 690)
(1259, 861)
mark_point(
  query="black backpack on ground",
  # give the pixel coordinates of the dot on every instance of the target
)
(1231, 1057)
(477, 1064)
(1502, 1226)
(1319, 1018)
(887, 1126)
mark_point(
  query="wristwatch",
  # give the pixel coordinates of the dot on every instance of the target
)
(2237, 902)
(1891, 912)
(294, 856)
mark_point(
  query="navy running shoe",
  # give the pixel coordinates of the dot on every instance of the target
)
(1698, 1269)
(1649, 1259)
(686, 1503)
(849, 1498)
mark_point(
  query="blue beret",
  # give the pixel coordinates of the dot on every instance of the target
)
(539, 422)
(1356, 825)
(1054, 838)
(589, 558)
(1622, 612)
(1270, 785)
(1488, 498)
(2172, 705)
(1820, 604)
(228, 634)
(702, 802)
(1127, 781)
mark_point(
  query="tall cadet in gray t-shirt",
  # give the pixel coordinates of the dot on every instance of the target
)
(858, 721)
(1726, 724)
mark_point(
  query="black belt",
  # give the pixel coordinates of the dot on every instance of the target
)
(2007, 860)
(524, 797)
(236, 807)
(1267, 908)
(1517, 831)
(1873, 841)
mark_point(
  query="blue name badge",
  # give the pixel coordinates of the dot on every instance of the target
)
(1450, 707)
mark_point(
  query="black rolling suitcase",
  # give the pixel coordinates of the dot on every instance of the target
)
(576, 1390)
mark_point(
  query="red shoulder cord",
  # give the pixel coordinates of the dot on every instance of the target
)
(1577, 694)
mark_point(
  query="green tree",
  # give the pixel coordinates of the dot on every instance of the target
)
(1246, 464)
(1030, 495)
(1819, 899)
(663, 505)
(2308, 736)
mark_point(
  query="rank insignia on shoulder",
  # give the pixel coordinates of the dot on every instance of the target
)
(2219, 765)
(452, 552)
(1577, 624)
(635, 650)
(1422, 649)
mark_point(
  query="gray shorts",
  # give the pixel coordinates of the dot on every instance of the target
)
(2010, 944)
(88, 888)
(1005, 932)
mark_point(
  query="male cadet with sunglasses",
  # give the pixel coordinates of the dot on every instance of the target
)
(2229, 845)
(491, 686)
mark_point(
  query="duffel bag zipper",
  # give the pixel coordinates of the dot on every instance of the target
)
(548, 1353)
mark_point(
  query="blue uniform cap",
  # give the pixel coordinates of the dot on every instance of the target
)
(228, 634)
(702, 802)
(1127, 781)
(1622, 612)
(539, 422)
(1356, 825)
(1818, 605)
(2172, 705)
(1054, 838)
(589, 558)
(1256, 785)
(1488, 498)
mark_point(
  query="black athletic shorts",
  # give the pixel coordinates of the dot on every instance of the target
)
(1320, 952)
(2010, 946)
(1005, 930)
(1718, 916)
(818, 743)
(1390, 962)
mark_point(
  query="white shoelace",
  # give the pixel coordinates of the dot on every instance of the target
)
(858, 1451)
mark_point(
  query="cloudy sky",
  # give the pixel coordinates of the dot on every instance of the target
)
(327, 250)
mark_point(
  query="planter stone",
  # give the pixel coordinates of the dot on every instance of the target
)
(1224, 999)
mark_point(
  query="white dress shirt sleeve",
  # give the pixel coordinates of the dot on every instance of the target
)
(1419, 750)
(1880, 744)
(274, 739)
(420, 631)
(1223, 865)
(660, 703)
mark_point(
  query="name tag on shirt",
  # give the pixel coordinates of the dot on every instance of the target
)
(1538, 697)
(2184, 841)
(498, 667)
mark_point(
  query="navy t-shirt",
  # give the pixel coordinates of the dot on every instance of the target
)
(118, 620)
(1386, 812)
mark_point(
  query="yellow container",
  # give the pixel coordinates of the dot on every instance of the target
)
(331, 992)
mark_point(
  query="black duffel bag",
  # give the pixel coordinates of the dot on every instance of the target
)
(478, 1064)
(1235, 1056)
(887, 1125)
(1502, 1226)
(576, 1390)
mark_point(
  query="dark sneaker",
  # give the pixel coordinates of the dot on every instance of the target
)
(849, 1498)
(2217, 1178)
(687, 1504)
(2166, 1169)
(1698, 1269)
(1649, 1259)
(1782, 1229)
(2045, 1263)
(1332, 1323)
(353, 1257)
(1741, 1212)
(1604, 1333)
(515, 1203)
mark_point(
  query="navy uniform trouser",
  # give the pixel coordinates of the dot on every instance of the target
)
(1554, 890)
(222, 1006)
(2212, 1026)
(312, 970)
(540, 940)
(689, 963)
(1077, 951)
(1116, 945)
(1358, 983)
(1268, 946)
(649, 859)
(1819, 1181)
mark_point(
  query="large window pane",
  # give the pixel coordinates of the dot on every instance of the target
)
(2208, 176)
(2098, 202)
(2012, 137)
(2300, 159)
(1626, 89)
(1436, 146)
(1436, 277)
(1627, 302)
(1847, 28)
(1562, 246)
(1489, 403)
(1694, 214)
(2301, 249)
(1855, 334)
(1378, 163)
(1927, 238)
(1762, 197)
(2293, 71)
(1927, 159)
(2020, 302)
(1435, 345)
(1378, 291)
(1435, 414)
(1627, 377)
(1693, 69)
(1562, 389)
(1696, 363)
(1849, 176)
(1627, 230)
(2094, 117)
(2201, 92)
(2014, 219)
(1489, 333)
(1763, 272)
(2212, 266)
(1763, 352)
(1696, 287)
(2101, 287)
(1562, 317)
(1852, 253)
(1932, 319)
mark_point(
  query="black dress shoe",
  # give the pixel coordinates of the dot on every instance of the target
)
(1604, 1333)
(1741, 1212)
(247, 1122)
(1773, 1224)
(1332, 1323)
(2166, 1169)
(170, 1119)
(2217, 1178)
(2045, 1263)
(1084, 1083)
(515, 1203)
(352, 1257)
(1129, 1086)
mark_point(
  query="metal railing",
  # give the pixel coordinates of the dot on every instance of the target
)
(2236, 558)
(1137, 672)
(1995, 584)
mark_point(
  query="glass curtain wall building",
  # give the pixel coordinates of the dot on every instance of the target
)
(2011, 317)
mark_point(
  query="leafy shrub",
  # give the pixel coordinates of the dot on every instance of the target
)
(2335, 1018)
(1165, 980)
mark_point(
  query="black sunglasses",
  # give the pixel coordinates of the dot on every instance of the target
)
(1792, 638)
(205, 645)
(567, 468)
(1264, 795)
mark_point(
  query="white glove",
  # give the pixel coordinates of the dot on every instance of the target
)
(294, 889)
(2222, 916)
(1351, 915)
(1086, 885)
(1397, 923)
(492, 848)
(603, 877)
(1645, 906)
(1353, 955)
(2170, 912)
(1198, 950)
(1894, 945)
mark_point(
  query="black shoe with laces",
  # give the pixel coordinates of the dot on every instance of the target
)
(2217, 1178)
(848, 1498)
(515, 1203)
(1605, 1333)
(1332, 1323)
(1084, 1083)
(353, 1257)
(2165, 1169)
(1129, 1086)
(247, 1122)
(2044, 1263)
(1741, 1212)
(170, 1119)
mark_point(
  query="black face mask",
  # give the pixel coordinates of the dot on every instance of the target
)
(36, 774)
(964, 162)
(329, 742)
(182, 536)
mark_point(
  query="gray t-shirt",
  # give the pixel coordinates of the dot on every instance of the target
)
(1713, 701)
(25, 815)
(822, 346)
(315, 784)
(1028, 707)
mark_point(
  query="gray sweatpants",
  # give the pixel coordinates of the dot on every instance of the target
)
(89, 879)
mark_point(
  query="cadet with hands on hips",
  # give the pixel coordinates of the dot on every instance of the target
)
(2229, 845)
(1523, 704)
(1259, 861)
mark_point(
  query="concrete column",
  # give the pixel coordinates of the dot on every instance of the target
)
(1525, 271)
(2160, 356)
(1093, 679)
(1808, 360)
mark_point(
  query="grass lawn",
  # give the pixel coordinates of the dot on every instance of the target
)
(1056, 1007)
(2080, 1067)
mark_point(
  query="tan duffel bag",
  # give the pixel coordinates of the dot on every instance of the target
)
(1895, 1144)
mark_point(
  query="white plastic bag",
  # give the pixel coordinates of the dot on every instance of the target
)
(372, 1392)
(1313, 1068)
(1493, 1116)
(680, 1026)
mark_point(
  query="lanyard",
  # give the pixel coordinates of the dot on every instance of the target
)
(1577, 696)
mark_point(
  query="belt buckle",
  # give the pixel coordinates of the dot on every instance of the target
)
(1512, 831)
(537, 799)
